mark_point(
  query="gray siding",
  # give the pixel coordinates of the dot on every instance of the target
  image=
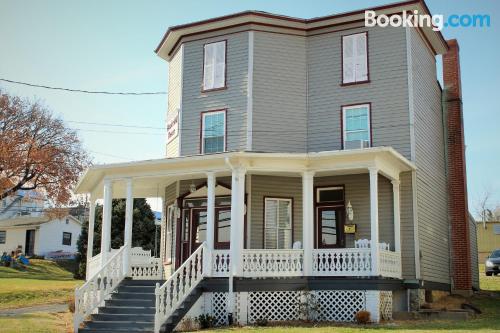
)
(387, 91)
(279, 93)
(270, 186)
(407, 226)
(474, 252)
(430, 160)
(233, 98)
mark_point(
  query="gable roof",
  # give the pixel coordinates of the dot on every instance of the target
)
(174, 34)
(31, 221)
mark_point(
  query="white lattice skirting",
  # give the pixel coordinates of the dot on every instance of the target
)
(333, 305)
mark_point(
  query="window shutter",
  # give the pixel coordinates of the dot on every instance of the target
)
(208, 69)
(361, 63)
(220, 65)
(348, 59)
(284, 227)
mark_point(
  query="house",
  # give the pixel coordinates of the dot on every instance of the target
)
(22, 203)
(302, 156)
(40, 235)
(488, 238)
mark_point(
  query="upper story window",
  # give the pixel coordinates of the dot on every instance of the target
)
(278, 223)
(66, 240)
(356, 127)
(214, 66)
(213, 132)
(355, 58)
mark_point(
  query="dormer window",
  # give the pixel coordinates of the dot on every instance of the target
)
(214, 66)
(213, 132)
(356, 127)
(355, 58)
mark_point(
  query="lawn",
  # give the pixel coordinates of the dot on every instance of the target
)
(37, 323)
(43, 282)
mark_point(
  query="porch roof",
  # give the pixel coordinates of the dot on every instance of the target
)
(150, 176)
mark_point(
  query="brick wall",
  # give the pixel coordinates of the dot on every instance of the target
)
(457, 181)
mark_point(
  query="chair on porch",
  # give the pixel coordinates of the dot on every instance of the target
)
(366, 244)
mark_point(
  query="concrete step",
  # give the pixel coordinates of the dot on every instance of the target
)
(129, 295)
(117, 330)
(128, 310)
(150, 317)
(131, 302)
(136, 289)
(114, 325)
(146, 283)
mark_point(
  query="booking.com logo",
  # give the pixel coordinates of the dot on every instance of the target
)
(436, 22)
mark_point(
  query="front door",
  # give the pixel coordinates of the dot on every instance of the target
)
(30, 243)
(198, 227)
(329, 228)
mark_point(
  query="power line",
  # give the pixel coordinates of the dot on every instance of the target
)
(83, 91)
(113, 125)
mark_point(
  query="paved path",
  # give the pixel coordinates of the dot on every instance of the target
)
(38, 308)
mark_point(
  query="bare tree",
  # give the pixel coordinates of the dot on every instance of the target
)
(483, 206)
(37, 150)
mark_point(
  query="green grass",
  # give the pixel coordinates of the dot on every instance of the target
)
(488, 283)
(42, 282)
(37, 323)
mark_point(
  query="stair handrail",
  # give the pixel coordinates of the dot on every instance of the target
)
(96, 290)
(179, 285)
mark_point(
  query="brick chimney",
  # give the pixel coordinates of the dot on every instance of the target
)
(457, 181)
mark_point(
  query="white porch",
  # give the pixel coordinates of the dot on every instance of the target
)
(144, 179)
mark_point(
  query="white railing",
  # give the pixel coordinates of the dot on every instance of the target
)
(390, 263)
(94, 263)
(143, 266)
(341, 262)
(263, 263)
(220, 263)
(96, 290)
(180, 284)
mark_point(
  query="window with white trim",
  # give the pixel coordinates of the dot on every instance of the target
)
(66, 240)
(214, 66)
(356, 126)
(278, 223)
(213, 132)
(3, 236)
(355, 58)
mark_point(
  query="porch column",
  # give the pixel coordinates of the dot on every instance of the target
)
(308, 220)
(397, 215)
(374, 220)
(210, 222)
(106, 221)
(90, 239)
(237, 231)
(129, 210)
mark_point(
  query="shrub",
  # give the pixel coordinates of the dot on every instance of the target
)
(363, 317)
(206, 321)
(261, 322)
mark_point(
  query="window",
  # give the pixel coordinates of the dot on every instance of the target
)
(214, 66)
(356, 131)
(171, 214)
(66, 238)
(3, 235)
(330, 194)
(222, 228)
(67, 221)
(213, 132)
(355, 58)
(496, 229)
(278, 223)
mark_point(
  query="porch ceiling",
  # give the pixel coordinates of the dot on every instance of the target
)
(151, 176)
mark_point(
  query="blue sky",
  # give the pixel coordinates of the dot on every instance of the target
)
(108, 45)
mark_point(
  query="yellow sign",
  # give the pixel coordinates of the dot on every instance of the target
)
(350, 229)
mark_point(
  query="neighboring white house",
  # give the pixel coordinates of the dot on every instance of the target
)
(40, 235)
